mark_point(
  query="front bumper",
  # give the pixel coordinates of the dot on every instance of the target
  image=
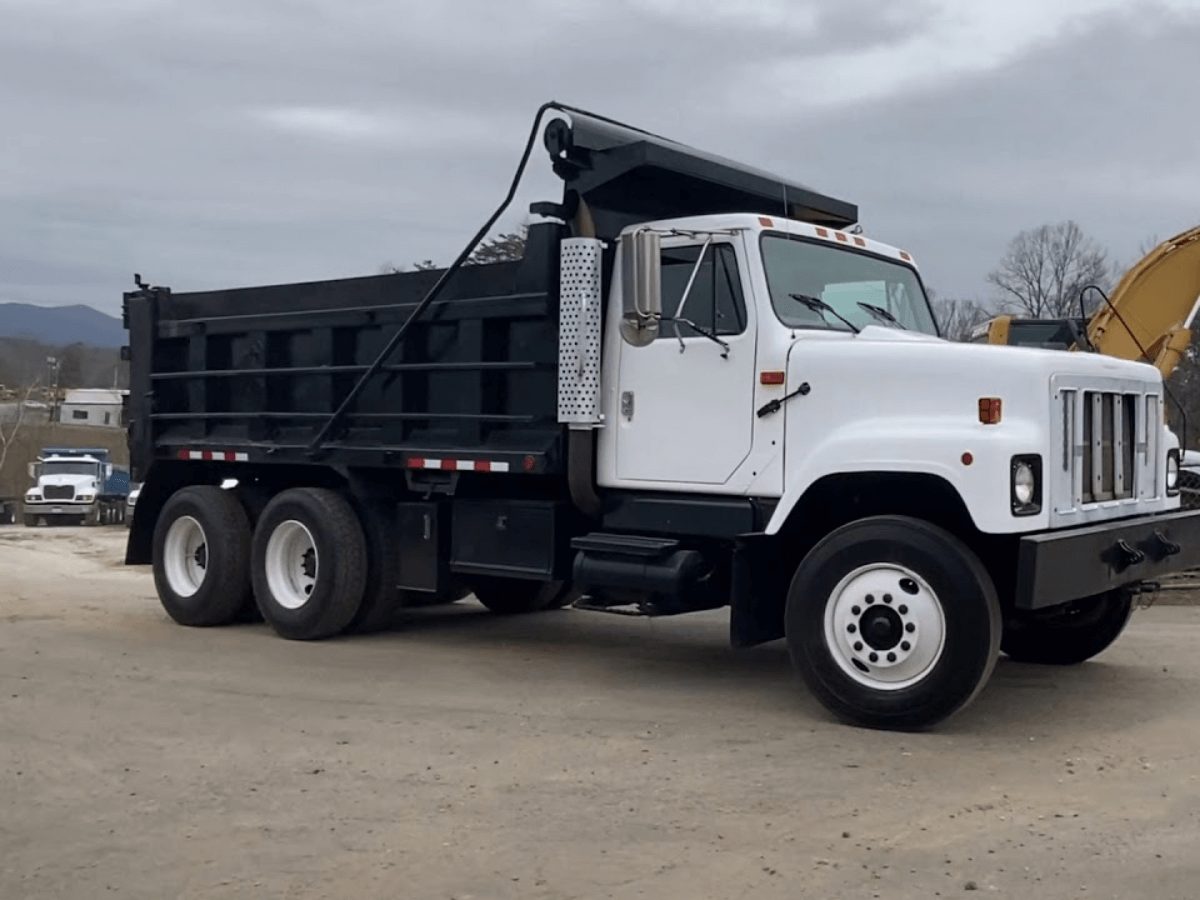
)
(1059, 566)
(58, 509)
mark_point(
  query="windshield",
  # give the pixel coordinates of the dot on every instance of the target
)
(68, 468)
(844, 279)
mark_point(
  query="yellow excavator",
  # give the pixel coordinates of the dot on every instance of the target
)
(1147, 318)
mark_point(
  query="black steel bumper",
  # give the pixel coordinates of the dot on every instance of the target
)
(1058, 566)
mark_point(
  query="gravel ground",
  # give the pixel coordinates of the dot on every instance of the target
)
(564, 755)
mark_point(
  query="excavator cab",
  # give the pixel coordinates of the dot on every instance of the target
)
(1148, 317)
(1051, 334)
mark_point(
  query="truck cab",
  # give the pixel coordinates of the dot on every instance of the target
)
(781, 393)
(701, 387)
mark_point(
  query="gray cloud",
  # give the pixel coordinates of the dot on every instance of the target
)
(225, 143)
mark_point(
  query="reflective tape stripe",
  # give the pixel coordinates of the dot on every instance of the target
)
(457, 465)
(214, 455)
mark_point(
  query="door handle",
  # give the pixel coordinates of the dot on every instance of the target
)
(627, 405)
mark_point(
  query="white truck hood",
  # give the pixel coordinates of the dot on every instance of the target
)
(81, 483)
(981, 360)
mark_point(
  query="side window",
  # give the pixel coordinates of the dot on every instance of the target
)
(79, 414)
(715, 302)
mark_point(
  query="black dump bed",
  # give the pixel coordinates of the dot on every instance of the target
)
(258, 374)
(261, 370)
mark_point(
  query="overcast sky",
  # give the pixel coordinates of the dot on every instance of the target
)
(208, 143)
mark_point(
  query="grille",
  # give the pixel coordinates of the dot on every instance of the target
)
(1105, 436)
(1109, 428)
(58, 492)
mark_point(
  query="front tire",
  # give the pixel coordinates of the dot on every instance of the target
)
(309, 563)
(893, 623)
(1071, 634)
(201, 556)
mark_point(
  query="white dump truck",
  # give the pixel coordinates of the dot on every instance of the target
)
(701, 387)
(75, 486)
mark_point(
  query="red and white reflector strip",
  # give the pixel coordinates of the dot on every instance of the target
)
(214, 455)
(457, 465)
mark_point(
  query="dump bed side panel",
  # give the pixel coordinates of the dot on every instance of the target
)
(258, 371)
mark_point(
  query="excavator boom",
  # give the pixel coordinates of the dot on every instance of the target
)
(1149, 316)
(1156, 300)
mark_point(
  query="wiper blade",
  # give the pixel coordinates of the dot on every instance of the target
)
(820, 306)
(880, 313)
(724, 345)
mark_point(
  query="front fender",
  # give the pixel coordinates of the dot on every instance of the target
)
(973, 459)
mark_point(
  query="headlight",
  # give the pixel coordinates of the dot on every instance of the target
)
(33, 495)
(86, 498)
(1172, 472)
(1026, 485)
(1023, 484)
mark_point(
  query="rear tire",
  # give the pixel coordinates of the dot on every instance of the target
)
(309, 563)
(201, 555)
(1067, 636)
(381, 594)
(893, 623)
(514, 596)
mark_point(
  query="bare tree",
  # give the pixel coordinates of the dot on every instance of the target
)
(1045, 268)
(504, 247)
(8, 435)
(389, 268)
(957, 316)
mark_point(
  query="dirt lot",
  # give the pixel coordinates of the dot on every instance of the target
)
(566, 755)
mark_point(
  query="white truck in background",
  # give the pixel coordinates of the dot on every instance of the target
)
(75, 486)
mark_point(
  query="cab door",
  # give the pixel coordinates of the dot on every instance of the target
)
(684, 411)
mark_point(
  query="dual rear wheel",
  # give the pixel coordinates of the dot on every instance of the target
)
(313, 565)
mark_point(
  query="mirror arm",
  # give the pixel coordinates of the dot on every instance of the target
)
(687, 289)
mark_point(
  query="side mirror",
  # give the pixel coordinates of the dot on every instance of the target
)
(641, 286)
(108, 471)
(32, 469)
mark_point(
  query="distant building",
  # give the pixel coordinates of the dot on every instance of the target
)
(92, 406)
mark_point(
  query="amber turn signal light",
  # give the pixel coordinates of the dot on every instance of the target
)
(989, 410)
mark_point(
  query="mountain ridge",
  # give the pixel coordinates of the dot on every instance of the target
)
(58, 325)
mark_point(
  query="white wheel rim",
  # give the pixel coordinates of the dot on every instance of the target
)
(292, 564)
(185, 556)
(884, 626)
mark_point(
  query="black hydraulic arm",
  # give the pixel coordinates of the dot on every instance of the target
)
(336, 418)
